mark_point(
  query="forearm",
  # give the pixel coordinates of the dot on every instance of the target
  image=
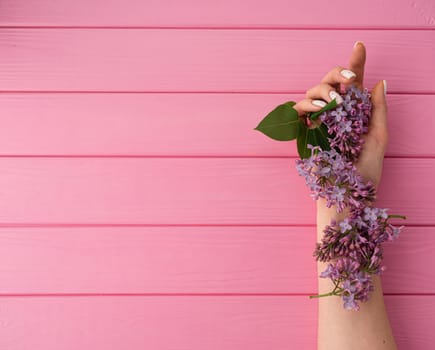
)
(341, 329)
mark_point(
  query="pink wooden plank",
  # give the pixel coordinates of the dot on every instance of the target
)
(189, 260)
(234, 13)
(233, 323)
(188, 191)
(130, 124)
(207, 60)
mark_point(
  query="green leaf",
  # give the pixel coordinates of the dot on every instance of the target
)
(329, 106)
(282, 124)
(302, 142)
(322, 136)
(316, 137)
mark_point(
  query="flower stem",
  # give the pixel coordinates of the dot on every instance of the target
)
(397, 216)
(322, 295)
(334, 292)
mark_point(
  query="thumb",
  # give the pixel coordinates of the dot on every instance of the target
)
(378, 119)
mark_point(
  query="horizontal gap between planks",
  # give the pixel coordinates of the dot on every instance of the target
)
(308, 27)
(12, 224)
(180, 156)
(57, 225)
(20, 295)
(185, 92)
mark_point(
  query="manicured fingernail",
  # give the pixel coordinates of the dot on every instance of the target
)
(385, 87)
(318, 103)
(347, 73)
(334, 95)
(356, 43)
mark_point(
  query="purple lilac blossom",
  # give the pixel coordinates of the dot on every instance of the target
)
(353, 247)
(353, 283)
(348, 122)
(330, 176)
(358, 236)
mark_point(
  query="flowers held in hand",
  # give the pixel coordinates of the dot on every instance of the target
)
(348, 122)
(353, 246)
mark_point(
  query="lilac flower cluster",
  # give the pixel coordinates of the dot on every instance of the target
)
(356, 284)
(331, 176)
(348, 122)
(359, 237)
(353, 246)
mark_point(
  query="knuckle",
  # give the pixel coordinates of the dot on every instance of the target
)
(299, 107)
(310, 91)
(327, 87)
(305, 102)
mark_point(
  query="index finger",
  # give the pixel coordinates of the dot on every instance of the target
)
(353, 75)
(357, 62)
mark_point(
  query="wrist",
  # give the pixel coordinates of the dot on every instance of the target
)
(325, 215)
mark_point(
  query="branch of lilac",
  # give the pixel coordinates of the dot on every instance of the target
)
(352, 246)
(342, 148)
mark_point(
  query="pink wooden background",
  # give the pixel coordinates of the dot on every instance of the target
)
(138, 208)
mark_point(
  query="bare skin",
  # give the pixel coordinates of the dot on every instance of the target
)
(338, 328)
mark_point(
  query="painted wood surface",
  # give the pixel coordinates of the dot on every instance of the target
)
(189, 260)
(137, 204)
(193, 322)
(218, 13)
(182, 60)
(178, 124)
(212, 191)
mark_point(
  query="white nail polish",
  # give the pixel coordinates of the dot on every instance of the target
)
(347, 73)
(385, 87)
(334, 95)
(356, 43)
(318, 103)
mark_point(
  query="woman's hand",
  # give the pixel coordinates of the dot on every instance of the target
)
(371, 158)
